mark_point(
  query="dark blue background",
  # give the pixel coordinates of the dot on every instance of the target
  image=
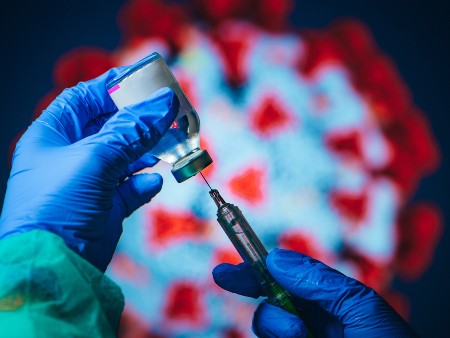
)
(415, 34)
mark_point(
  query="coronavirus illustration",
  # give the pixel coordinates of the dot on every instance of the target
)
(314, 135)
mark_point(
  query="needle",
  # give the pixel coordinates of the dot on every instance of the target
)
(206, 181)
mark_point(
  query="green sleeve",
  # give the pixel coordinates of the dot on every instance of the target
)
(47, 290)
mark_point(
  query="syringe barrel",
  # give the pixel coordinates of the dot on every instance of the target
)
(253, 253)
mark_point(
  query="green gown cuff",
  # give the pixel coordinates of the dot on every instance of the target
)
(47, 290)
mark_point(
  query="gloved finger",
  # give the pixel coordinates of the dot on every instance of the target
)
(134, 130)
(129, 195)
(136, 191)
(75, 107)
(236, 279)
(146, 161)
(355, 305)
(96, 124)
(271, 321)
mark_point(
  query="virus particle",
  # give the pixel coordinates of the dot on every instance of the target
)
(167, 225)
(313, 134)
(248, 184)
(184, 303)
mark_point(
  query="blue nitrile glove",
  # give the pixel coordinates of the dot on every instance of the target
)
(72, 169)
(330, 303)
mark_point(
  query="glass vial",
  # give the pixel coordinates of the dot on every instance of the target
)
(180, 145)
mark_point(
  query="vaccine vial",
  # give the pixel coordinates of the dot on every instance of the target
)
(180, 145)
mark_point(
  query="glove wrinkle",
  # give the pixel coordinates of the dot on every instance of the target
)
(76, 107)
(43, 133)
(122, 203)
(145, 161)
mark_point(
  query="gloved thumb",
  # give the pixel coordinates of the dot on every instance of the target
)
(136, 191)
(135, 130)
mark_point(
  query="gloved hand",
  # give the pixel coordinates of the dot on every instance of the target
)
(330, 303)
(72, 169)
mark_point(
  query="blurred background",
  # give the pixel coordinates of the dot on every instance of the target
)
(322, 50)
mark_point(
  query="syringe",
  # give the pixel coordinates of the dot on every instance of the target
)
(252, 251)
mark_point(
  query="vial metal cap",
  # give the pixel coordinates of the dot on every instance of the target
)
(191, 165)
